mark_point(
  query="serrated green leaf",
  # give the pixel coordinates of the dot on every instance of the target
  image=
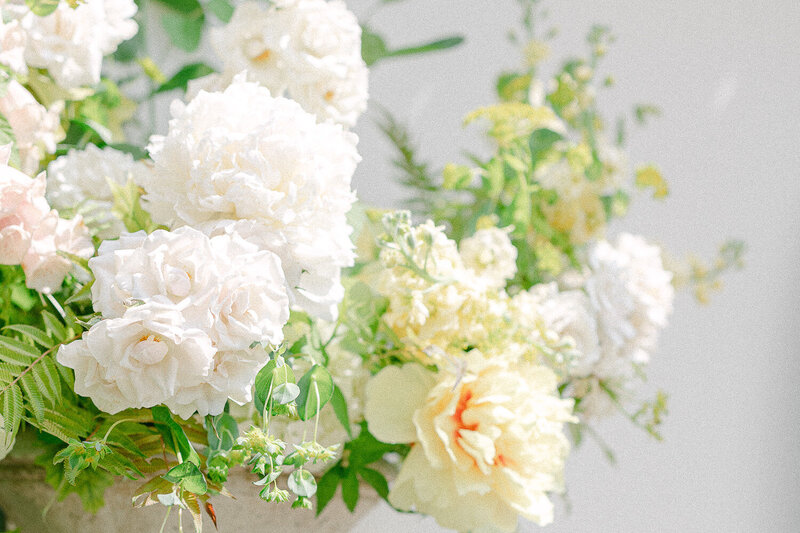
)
(33, 333)
(13, 409)
(316, 389)
(54, 326)
(193, 505)
(33, 396)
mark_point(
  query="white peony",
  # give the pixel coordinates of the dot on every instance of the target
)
(36, 129)
(78, 183)
(222, 285)
(632, 295)
(71, 42)
(491, 255)
(570, 315)
(140, 360)
(242, 155)
(488, 442)
(309, 50)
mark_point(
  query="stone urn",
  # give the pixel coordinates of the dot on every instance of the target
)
(24, 494)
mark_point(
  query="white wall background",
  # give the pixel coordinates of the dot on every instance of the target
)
(727, 77)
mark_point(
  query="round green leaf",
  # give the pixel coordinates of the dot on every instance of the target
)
(302, 483)
(316, 389)
(275, 373)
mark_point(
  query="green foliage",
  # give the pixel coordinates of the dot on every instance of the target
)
(42, 8)
(374, 47)
(222, 9)
(316, 389)
(128, 208)
(184, 22)
(360, 453)
(274, 382)
(180, 79)
(7, 137)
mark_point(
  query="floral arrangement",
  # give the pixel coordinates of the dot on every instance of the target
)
(214, 297)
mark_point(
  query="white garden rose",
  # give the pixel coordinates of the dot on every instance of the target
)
(242, 155)
(71, 42)
(487, 442)
(78, 183)
(142, 359)
(491, 255)
(36, 129)
(223, 285)
(231, 376)
(309, 50)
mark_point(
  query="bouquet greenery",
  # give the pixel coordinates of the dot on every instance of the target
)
(175, 306)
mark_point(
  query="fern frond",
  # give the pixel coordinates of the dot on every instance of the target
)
(33, 396)
(13, 409)
(35, 334)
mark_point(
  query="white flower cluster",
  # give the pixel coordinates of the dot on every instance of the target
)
(309, 50)
(241, 161)
(79, 183)
(186, 319)
(70, 42)
(488, 441)
(36, 129)
(613, 316)
(32, 234)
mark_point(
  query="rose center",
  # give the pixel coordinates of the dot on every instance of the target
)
(149, 350)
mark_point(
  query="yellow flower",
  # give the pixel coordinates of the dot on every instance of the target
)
(487, 440)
